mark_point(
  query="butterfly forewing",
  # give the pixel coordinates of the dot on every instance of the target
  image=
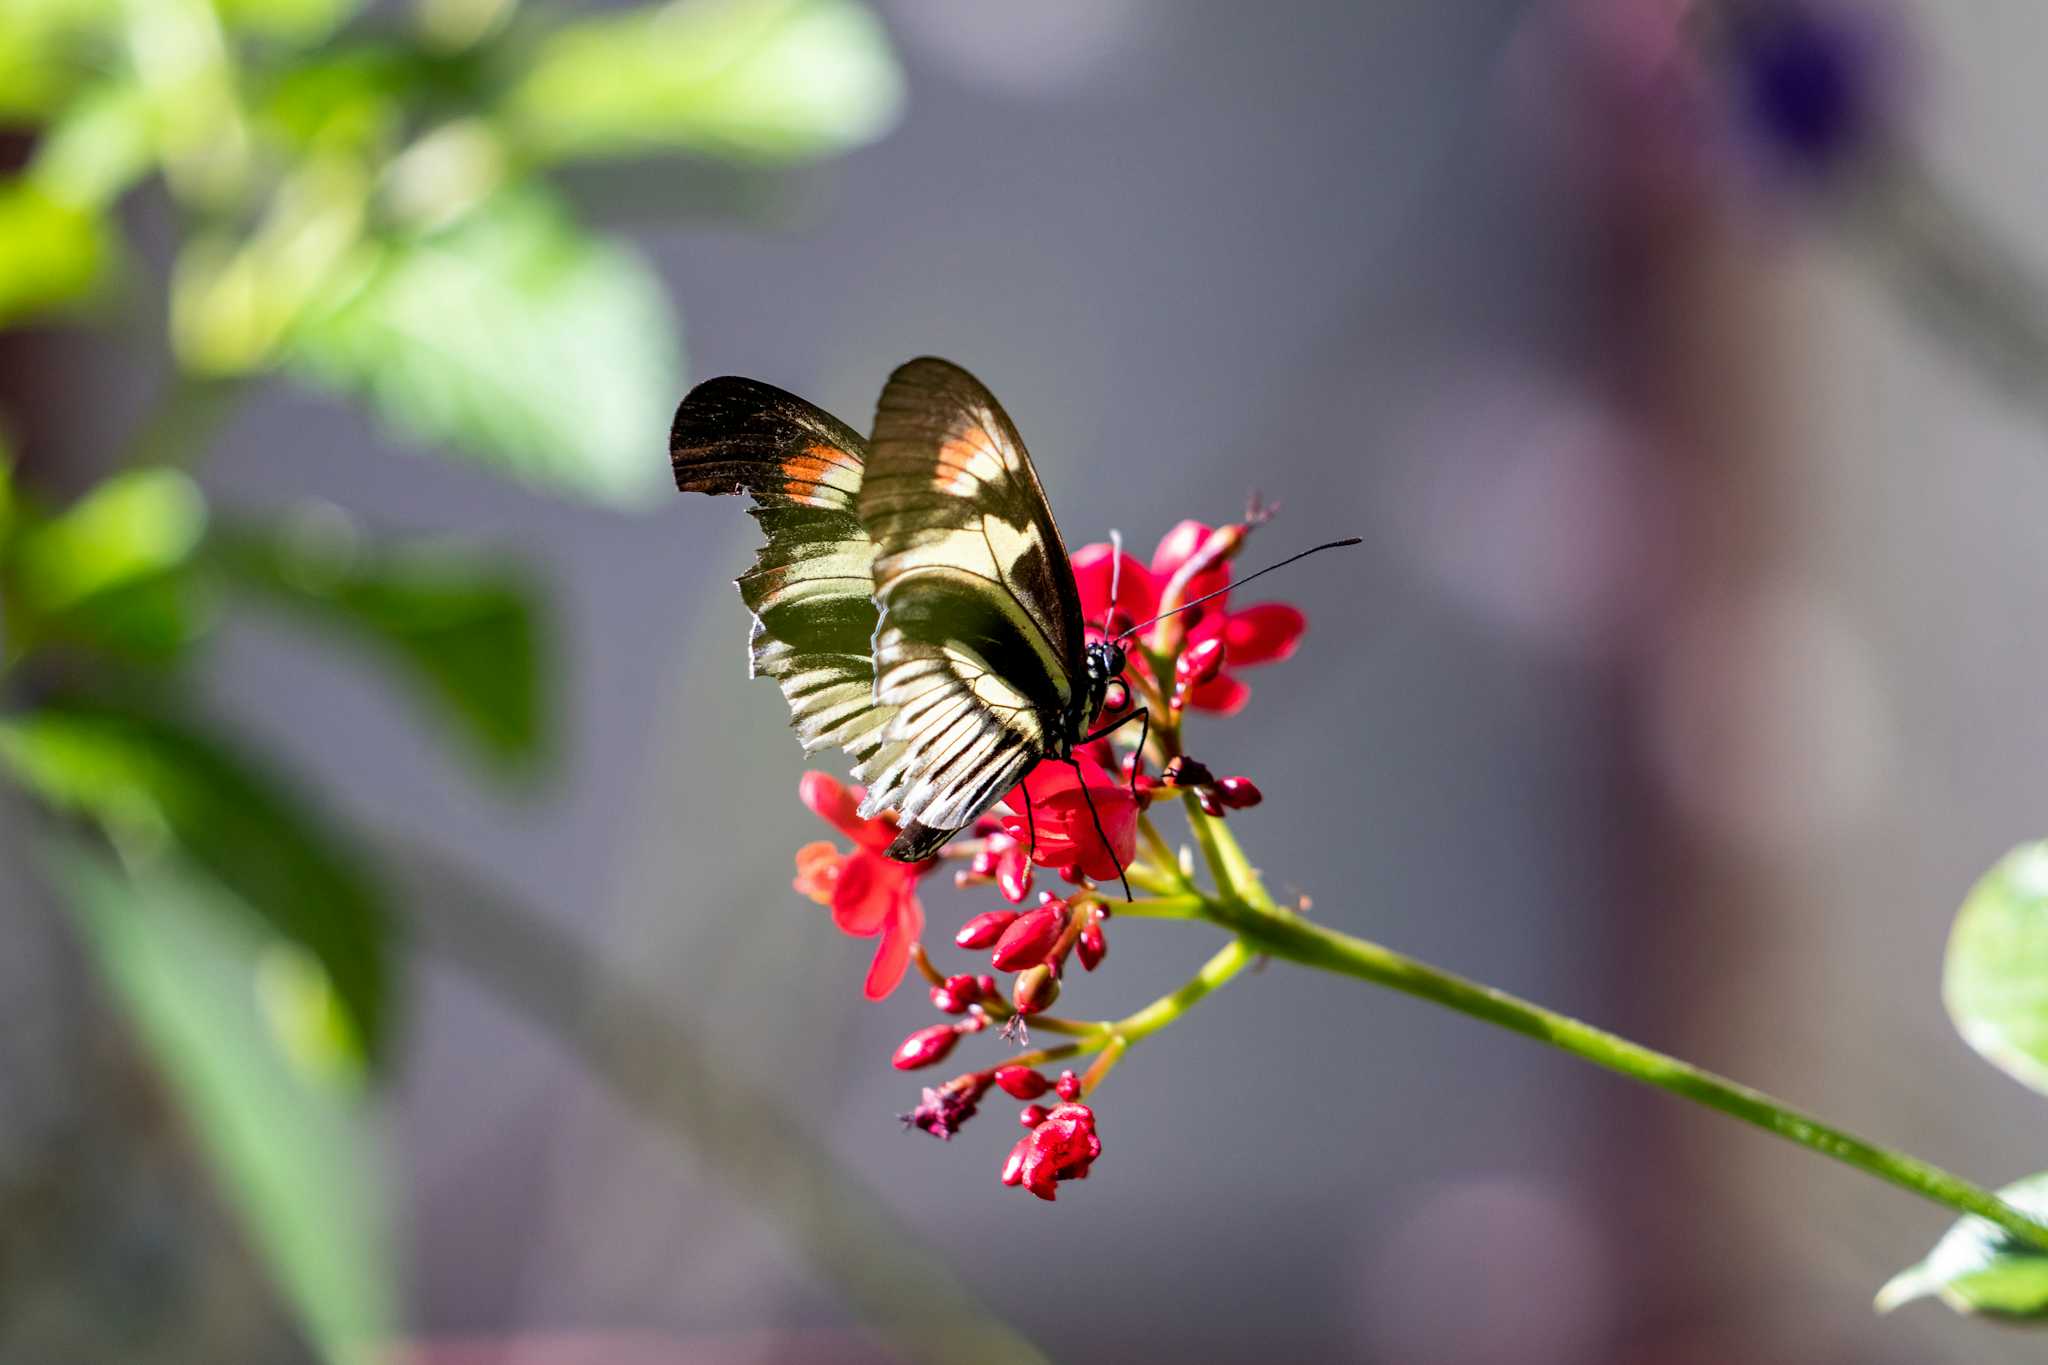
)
(811, 585)
(980, 637)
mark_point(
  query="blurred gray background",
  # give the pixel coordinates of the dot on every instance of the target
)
(1686, 682)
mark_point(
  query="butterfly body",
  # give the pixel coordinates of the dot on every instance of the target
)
(914, 599)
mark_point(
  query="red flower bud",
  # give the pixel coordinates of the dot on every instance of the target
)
(1060, 1148)
(1021, 1082)
(987, 984)
(983, 930)
(1027, 941)
(924, 1047)
(1211, 804)
(1239, 793)
(1036, 990)
(1013, 875)
(1091, 947)
(1068, 1086)
(945, 1002)
(1032, 1116)
(1074, 873)
(1199, 663)
(1013, 1164)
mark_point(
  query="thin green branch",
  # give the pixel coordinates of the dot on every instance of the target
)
(1283, 934)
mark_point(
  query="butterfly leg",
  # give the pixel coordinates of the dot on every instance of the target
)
(1100, 833)
(1031, 820)
(1143, 715)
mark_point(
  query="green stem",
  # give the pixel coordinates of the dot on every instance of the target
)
(1111, 1055)
(1179, 905)
(1284, 934)
(1229, 960)
(1162, 854)
(1235, 879)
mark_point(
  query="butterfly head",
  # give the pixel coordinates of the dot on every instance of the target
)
(1105, 663)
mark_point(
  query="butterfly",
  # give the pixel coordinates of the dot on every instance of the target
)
(913, 600)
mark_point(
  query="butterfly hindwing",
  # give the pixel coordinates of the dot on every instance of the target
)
(979, 641)
(811, 585)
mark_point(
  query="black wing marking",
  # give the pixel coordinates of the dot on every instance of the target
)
(812, 583)
(980, 637)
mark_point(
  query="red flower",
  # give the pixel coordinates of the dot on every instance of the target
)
(1067, 836)
(1061, 1147)
(869, 893)
(1265, 633)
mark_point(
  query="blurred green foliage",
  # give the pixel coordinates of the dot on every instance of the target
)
(148, 782)
(361, 202)
(1979, 1267)
(1995, 977)
(460, 631)
(287, 1139)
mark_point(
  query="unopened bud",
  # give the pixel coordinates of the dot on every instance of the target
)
(1021, 1082)
(924, 1047)
(1013, 877)
(1199, 663)
(1210, 803)
(1068, 1087)
(1238, 793)
(1036, 990)
(1031, 1116)
(1092, 946)
(1027, 942)
(983, 930)
(1013, 1164)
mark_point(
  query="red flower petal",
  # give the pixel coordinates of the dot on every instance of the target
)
(1137, 596)
(1066, 830)
(839, 806)
(899, 934)
(1225, 696)
(1177, 548)
(1263, 634)
(817, 870)
(864, 895)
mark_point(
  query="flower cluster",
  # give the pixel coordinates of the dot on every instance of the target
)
(1086, 823)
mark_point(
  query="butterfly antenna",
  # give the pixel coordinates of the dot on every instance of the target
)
(1228, 587)
(1116, 571)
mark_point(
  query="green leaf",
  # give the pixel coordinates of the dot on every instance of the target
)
(108, 571)
(149, 784)
(1995, 980)
(290, 1148)
(287, 21)
(517, 338)
(100, 146)
(52, 252)
(129, 527)
(463, 631)
(770, 80)
(48, 48)
(1979, 1267)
